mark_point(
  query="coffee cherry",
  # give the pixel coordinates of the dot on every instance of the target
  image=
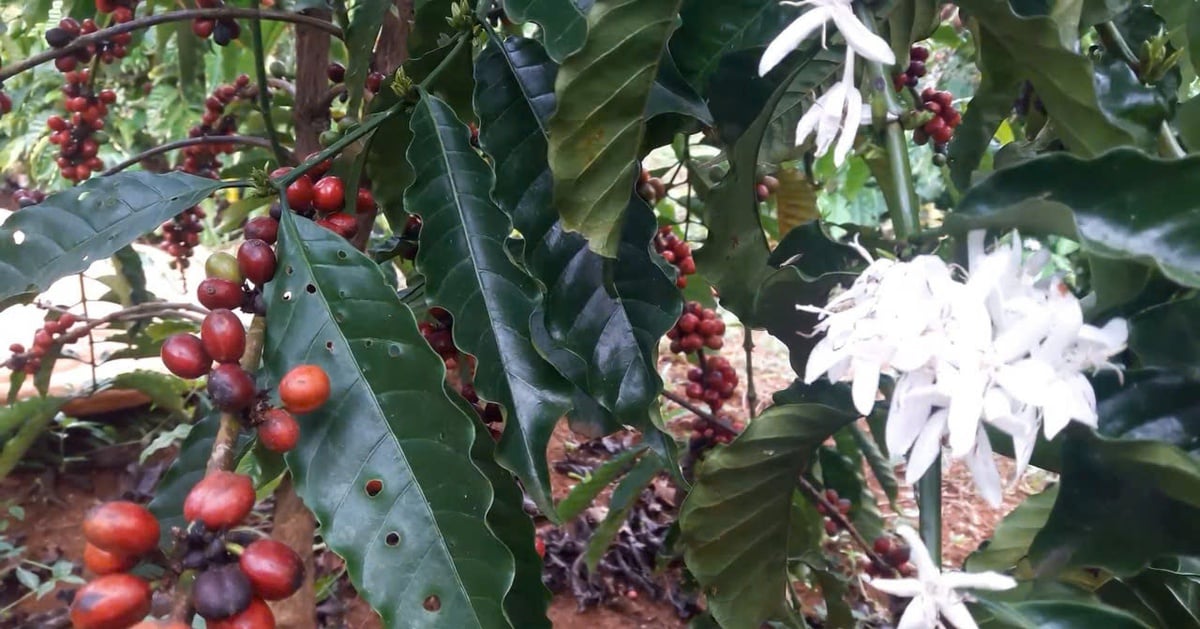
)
(831, 527)
(300, 194)
(223, 336)
(184, 355)
(121, 527)
(223, 266)
(540, 546)
(365, 201)
(161, 624)
(320, 168)
(328, 194)
(374, 82)
(898, 555)
(58, 37)
(918, 53)
(279, 431)
(225, 31)
(304, 389)
(274, 570)
(102, 562)
(113, 601)
(231, 388)
(256, 259)
(256, 616)
(341, 223)
(262, 228)
(220, 500)
(336, 72)
(221, 592)
(882, 545)
(214, 293)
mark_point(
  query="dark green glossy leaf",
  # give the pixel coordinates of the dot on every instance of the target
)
(128, 265)
(1167, 594)
(1009, 544)
(601, 320)
(737, 516)
(1187, 121)
(671, 93)
(1052, 615)
(1101, 203)
(1193, 36)
(564, 26)
(871, 448)
(469, 273)
(624, 499)
(999, 83)
(1097, 11)
(1135, 107)
(596, 130)
(1044, 50)
(425, 532)
(78, 226)
(585, 492)
(1166, 335)
(713, 28)
(1163, 405)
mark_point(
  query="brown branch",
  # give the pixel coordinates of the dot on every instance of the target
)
(751, 392)
(392, 48)
(225, 444)
(296, 527)
(842, 521)
(248, 140)
(701, 413)
(312, 60)
(96, 37)
(141, 311)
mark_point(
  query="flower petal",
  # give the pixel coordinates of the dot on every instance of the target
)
(908, 413)
(865, 388)
(926, 448)
(978, 581)
(822, 357)
(922, 613)
(904, 588)
(958, 615)
(983, 470)
(845, 141)
(859, 37)
(919, 555)
(966, 406)
(787, 41)
(808, 123)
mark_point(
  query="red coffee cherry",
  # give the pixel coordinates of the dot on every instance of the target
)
(275, 570)
(256, 259)
(121, 527)
(184, 355)
(256, 616)
(300, 194)
(320, 168)
(231, 388)
(113, 601)
(161, 624)
(342, 224)
(220, 500)
(336, 72)
(328, 194)
(223, 336)
(304, 389)
(365, 201)
(215, 294)
(102, 562)
(279, 431)
(262, 228)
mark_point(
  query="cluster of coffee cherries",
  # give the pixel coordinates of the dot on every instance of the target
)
(895, 555)
(917, 56)
(109, 50)
(78, 135)
(336, 73)
(322, 196)
(223, 30)
(651, 188)
(939, 128)
(118, 535)
(52, 331)
(438, 331)
(676, 251)
(713, 383)
(843, 505)
(696, 328)
(714, 380)
(26, 197)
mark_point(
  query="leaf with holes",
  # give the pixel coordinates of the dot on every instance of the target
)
(469, 273)
(597, 128)
(423, 534)
(78, 226)
(601, 319)
(737, 516)
(564, 26)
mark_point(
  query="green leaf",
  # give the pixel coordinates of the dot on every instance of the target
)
(425, 533)
(713, 28)
(885, 475)
(1187, 121)
(128, 265)
(469, 273)
(1051, 614)
(623, 500)
(736, 519)
(90, 222)
(1166, 335)
(999, 83)
(564, 26)
(601, 320)
(20, 426)
(1010, 542)
(1165, 595)
(164, 390)
(1099, 202)
(1043, 47)
(1193, 36)
(1158, 404)
(585, 492)
(597, 128)
(671, 94)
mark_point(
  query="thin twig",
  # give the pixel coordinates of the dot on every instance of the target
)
(141, 311)
(225, 444)
(280, 84)
(701, 413)
(83, 300)
(249, 140)
(96, 37)
(751, 392)
(264, 93)
(842, 521)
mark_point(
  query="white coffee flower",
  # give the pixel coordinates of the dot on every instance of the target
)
(935, 595)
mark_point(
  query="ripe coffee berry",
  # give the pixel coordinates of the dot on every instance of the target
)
(304, 389)
(328, 194)
(110, 602)
(300, 194)
(121, 527)
(223, 336)
(184, 355)
(675, 251)
(231, 388)
(262, 228)
(214, 293)
(102, 562)
(336, 72)
(220, 500)
(256, 616)
(256, 260)
(279, 430)
(274, 570)
(941, 127)
(221, 592)
(340, 223)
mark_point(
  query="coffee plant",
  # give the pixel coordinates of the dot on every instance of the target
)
(432, 230)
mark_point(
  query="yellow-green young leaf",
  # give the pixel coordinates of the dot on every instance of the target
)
(597, 129)
(737, 519)
(424, 532)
